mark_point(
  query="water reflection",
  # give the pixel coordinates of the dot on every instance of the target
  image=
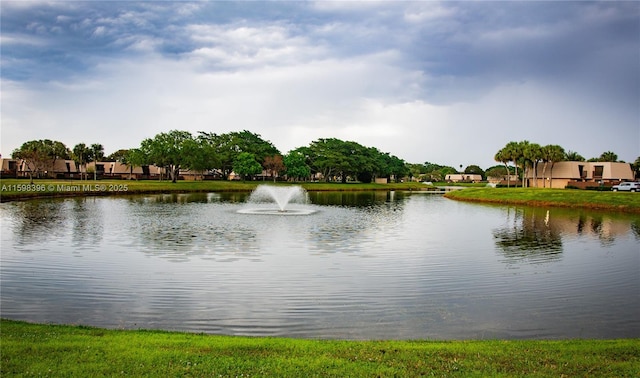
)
(185, 198)
(182, 226)
(530, 235)
(365, 265)
(635, 227)
(87, 221)
(356, 198)
(37, 220)
(605, 228)
(536, 235)
(179, 227)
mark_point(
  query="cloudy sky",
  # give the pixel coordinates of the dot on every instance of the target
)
(444, 82)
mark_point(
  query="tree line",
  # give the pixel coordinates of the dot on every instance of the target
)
(248, 154)
(244, 153)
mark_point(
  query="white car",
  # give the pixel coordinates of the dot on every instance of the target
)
(627, 187)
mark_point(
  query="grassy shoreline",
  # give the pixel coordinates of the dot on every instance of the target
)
(62, 350)
(581, 199)
(20, 189)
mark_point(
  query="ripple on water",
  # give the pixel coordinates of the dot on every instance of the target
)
(395, 267)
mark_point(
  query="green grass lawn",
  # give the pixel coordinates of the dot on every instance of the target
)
(65, 351)
(588, 199)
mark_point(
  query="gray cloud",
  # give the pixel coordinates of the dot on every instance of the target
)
(413, 79)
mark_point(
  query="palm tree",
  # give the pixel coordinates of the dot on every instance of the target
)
(551, 153)
(533, 154)
(635, 166)
(514, 151)
(503, 157)
(521, 157)
(97, 154)
(135, 157)
(608, 156)
(124, 159)
(81, 156)
(573, 156)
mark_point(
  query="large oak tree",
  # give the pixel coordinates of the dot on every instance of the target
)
(39, 156)
(168, 150)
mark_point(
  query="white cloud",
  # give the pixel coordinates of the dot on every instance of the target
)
(367, 100)
(351, 6)
(99, 31)
(240, 46)
(136, 99)
(440, 82)
(20, 39)
(429, 12)
(518, 34)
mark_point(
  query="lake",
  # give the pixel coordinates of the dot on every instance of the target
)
(363, 265)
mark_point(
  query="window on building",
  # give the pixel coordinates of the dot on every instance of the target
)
(597, 171)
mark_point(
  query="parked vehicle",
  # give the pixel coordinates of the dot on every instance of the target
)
(627, 187)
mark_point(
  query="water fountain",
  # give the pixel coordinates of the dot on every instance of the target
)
(282, 196)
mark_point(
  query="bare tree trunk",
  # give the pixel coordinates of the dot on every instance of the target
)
(175, 171)
(508, 175)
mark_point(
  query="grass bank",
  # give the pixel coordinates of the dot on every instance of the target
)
(585, 199)
(55, 350)
(18, 189)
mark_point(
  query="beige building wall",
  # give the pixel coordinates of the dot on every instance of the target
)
(463, 177)
(122, 170)
(619, 171)
(59, 167)
(558, 175)
(381, 180)
(8, 164)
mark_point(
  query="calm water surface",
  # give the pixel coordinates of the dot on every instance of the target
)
(363, 266)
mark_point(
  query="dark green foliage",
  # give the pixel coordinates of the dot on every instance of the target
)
(119, 155)
(168, 150)
(227, 147)
(296, 166)
(635, 166)
(337, 160)
(608, 156)
(475, 170)
(39, 156)
(246, 165)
